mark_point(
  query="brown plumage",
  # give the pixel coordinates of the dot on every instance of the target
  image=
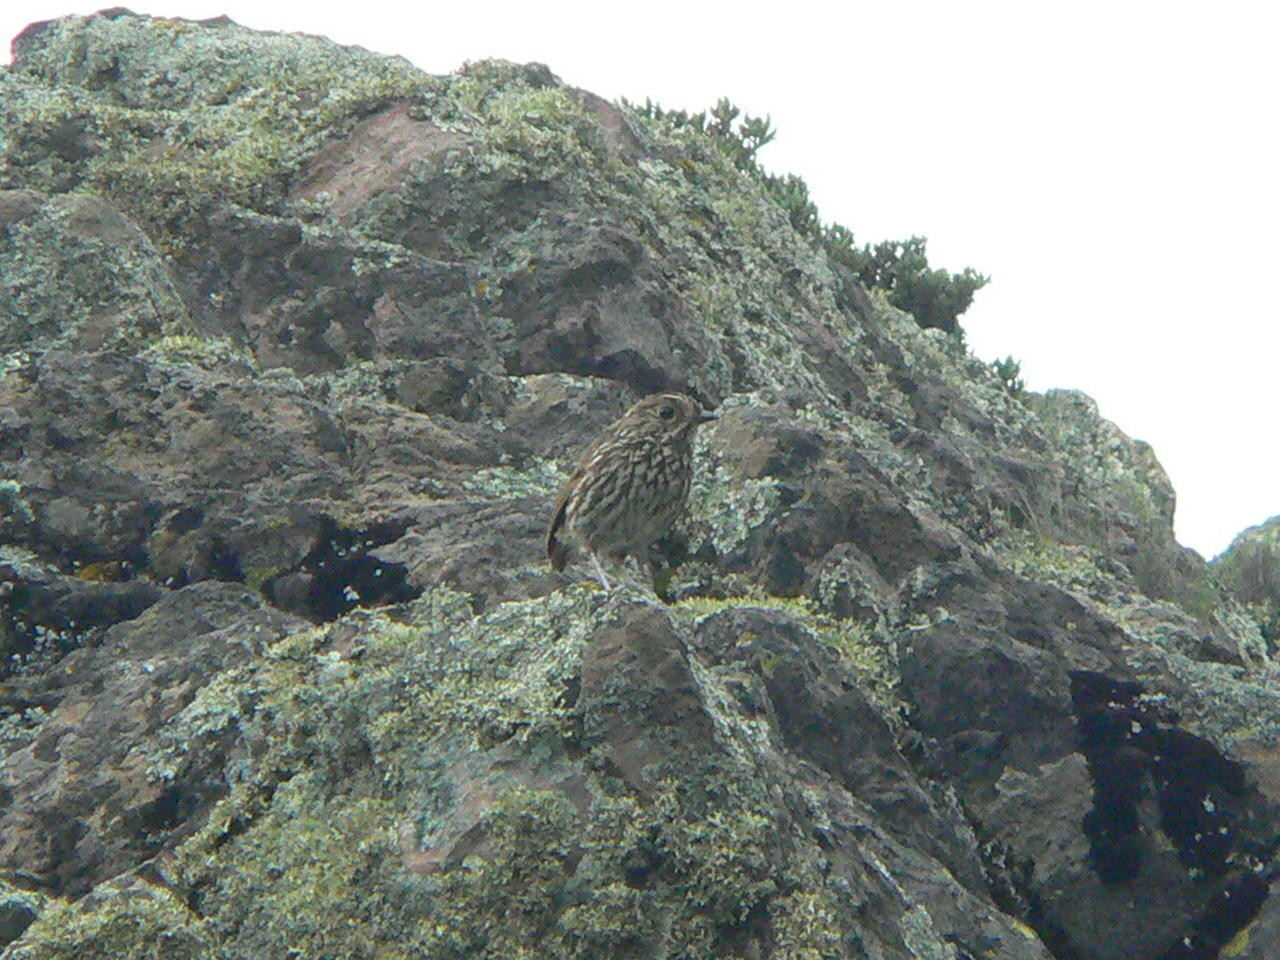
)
(630, 485)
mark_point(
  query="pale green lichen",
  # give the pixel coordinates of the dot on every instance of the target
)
(806, 926)
(1242, 625)
(308, 852)
(353, 741)
(920, 936)
(12, 361)
(1249, 570)
(741, 737)
(547, 129)
(77, 262)
(860, 649)
(208, 353)
(123, 919)
(1227, 704)
(217, 112)
(216, 707)
(540, 479)
(13, 506)
(26, 564)
(1219, 702)
(731, 510)
(1077, 569)
(1127, 468)
(19, 727)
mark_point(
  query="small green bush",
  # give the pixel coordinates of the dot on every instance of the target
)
(1008, 371)
(934, 297)
(791, 193)
(899, 267)
(741, 143)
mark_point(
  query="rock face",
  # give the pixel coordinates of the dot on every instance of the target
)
(1250, 571)
(299, 345)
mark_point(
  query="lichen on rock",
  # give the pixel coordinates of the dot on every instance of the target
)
(299, 344)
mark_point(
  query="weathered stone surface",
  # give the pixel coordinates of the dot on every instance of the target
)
(299, 345)
(1249, 570)
(87, 797)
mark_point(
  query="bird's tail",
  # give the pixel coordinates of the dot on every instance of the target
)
(557, 551)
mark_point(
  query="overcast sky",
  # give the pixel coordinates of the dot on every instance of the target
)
(1112, 166)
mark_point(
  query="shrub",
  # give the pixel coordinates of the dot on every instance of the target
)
(934, 297)
(741, 143)
(1008, 371)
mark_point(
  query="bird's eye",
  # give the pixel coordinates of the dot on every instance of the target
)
(667, 412)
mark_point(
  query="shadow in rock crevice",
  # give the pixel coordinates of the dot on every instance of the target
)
(340, 573)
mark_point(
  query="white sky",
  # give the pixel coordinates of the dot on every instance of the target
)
(1112, 165)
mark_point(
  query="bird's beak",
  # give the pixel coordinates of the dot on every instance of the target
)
(707, 415)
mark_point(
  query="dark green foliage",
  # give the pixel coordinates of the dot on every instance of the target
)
(1250, 571)
(1008, 371)
(934, 297)
(741, 143)
(841, 250)
(792, 194)
(746, 139)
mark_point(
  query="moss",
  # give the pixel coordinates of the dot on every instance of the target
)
(862, 651)
(649, 873)
(806, 927)
(1077, 569)
(124, 919)
(182, 112)
(273, 549)
(306, 848)
(1238, 944)
(208, 353)
(426, 788)
(503, 904)
(308, 874)
(369, 742)
(77, 262)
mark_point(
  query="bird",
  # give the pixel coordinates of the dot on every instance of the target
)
(630, 485)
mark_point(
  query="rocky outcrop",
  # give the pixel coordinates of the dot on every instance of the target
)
(299, 345)
(1249, 571)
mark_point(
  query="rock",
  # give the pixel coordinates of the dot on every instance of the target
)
(301, 343)
(1249, 570)
(112, 284)
(90, 796)
(48, 614)
(18, 910)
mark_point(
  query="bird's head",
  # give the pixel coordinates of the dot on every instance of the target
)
(669, 414)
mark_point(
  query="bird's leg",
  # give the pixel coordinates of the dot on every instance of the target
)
(599, 568)
(643, 566)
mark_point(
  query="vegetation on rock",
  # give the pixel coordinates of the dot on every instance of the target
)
(899, 267)
(299, 344)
